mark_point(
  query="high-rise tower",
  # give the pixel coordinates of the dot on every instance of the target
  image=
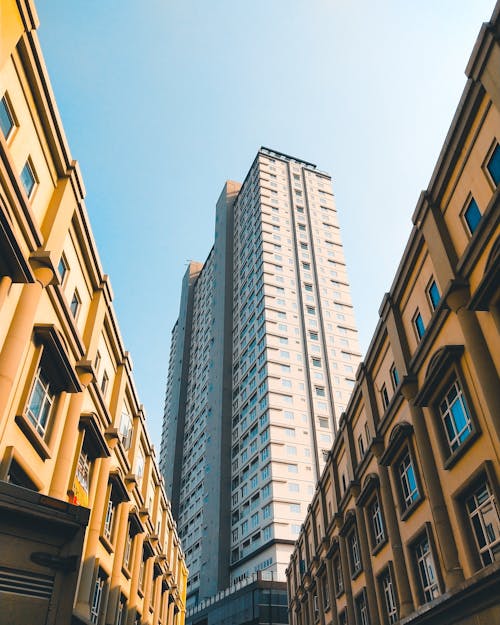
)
(263, 359)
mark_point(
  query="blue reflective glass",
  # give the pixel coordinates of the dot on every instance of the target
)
(472, 215)
(494, 165)
(28, 179)
(434, 295)
(419, 324)
(6, 122)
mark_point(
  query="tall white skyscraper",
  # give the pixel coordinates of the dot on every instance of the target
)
(263, 359)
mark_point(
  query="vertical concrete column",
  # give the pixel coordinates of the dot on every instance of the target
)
(67, 445)
(157, 599)
(476, 346)
(148, 581)
(367, 566)
(134, 584)
(170, 612)
(121, 533)
(452, 572)
(310, 605)
(331, 586)
(400, 567)
(82, 607)
(321, 599)
(19, 332)
(346, 574)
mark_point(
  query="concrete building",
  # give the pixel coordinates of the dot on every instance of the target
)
(404, 526)
(86, 530)
(262, 364)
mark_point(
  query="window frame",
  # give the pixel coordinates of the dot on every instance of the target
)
(407, 508)
(443, 371)
(376, 544)
(360, 602)
(355, 568)
(433, 304)
(41, 379)
(419, 332)
(9, 109)
(425, 536)
(489, 156)
(390, 617)
(30, 169)
(485, 473)
(470, 230)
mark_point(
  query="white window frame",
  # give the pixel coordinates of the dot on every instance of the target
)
(39, 413)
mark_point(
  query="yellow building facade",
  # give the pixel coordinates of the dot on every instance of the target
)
(404, 525)
(86, 531)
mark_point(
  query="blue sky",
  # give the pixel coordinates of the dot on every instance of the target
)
(163, 101)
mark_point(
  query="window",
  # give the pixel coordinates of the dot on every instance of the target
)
(419, 325)
(385, 396)
(316, 362)
(387, 591)
(493, 165)
(83, 471)
(266, 511)
(343, 617)
(484, 518)
(28, 178)
(75, 304)
(40, 403)
(125, 431)
(428, 582)
(139, 468)
(361, 446)
(337, 575)
(394, 377)
(434, 295)
(455, 416)
(376, 522)
(6, 117)
(104, 382)
(472, 215)
(408, 480)
(107, 530)
(311, 310)
(313, 336)
(62, 268)
(97, 596)
(320, 391)
(361, 606)
(127, 551)
(325, 592)
(308, 287)
(121, 614)
(354, 554)
(295, 507)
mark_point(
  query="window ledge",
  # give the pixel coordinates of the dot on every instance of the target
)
(455, 456)
(33, 436)
(108, 545)
(126, 572)
(357, 573)
(379, 547)
(411, 509)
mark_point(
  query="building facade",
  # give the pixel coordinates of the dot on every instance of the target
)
(86, 530)
(404, 526)
(262, 364)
